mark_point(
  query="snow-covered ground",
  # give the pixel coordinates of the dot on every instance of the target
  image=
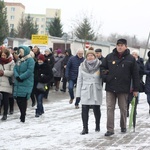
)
(59, 129)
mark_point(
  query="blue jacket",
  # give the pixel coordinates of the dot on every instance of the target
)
(72, 67)
(24, 69)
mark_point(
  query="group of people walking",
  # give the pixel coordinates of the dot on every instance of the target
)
(26, 74)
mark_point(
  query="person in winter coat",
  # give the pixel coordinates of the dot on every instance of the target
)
(43, 74)
(58, 68)
(147, 81)
(72, 74)
(67, 57)
(34, 52)
(89, 89)
(140, 63)
(118, 69)
(6, 72)
(24, 79)
(49, 58)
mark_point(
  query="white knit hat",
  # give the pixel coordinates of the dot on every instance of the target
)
(135, 51)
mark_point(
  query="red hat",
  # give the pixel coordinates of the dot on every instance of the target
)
(41, 57)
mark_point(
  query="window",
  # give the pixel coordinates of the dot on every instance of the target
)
(42, 26)
(12, 9)
(12, 17)
(43, 19)
(37, 19)
(42, 32)
(11, 26)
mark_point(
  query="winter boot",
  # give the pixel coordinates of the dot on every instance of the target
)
(84, 131)
(22, 118)
(85, 117)
(37, 114)
(4, 118)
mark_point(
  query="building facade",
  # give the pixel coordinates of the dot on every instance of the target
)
(15, 11)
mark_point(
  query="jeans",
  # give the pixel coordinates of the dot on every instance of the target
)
(39, 98)
(71, 84)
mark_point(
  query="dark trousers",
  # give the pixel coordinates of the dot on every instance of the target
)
(85, 115)
(64, 83)
(33, 95)
(11, 104)
(22, 104)
(5, 102)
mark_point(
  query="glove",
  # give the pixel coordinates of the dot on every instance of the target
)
(1, 72)
(18, 79)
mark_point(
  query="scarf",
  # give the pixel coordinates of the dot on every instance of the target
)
(23, 59)
(90, 66)
(5, 60)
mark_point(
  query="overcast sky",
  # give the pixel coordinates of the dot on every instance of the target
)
(131, 17)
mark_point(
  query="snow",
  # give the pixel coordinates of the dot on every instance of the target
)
(60, 126)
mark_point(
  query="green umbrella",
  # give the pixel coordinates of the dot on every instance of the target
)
(132, 118)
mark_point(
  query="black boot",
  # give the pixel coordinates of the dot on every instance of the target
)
(22, 118)
(97, 114)
(37, 114)
(84, 131)
(4, 118)
(85, 116)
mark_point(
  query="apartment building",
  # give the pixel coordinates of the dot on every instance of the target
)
(43, 20)
(14, 14)
(16, 10)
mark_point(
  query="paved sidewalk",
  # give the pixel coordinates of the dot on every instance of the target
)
(59, 129)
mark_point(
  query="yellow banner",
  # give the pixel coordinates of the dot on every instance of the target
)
(39, 39)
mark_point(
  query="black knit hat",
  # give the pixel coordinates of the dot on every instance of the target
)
(148, 54)
(98, 50)
(122, 41)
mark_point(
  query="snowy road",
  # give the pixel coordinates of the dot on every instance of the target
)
(59, 128)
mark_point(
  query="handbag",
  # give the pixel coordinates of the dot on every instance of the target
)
(42, 87)
(142, 86)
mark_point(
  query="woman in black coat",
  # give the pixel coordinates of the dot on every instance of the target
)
(43, 74)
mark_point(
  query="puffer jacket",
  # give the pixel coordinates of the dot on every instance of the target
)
(4, 80)
(24, 69)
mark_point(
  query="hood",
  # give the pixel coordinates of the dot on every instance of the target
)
(69, 52)
(26, 50)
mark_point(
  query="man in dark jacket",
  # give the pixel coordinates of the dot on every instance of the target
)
(72, 74)
(99, 54)
(118, 68)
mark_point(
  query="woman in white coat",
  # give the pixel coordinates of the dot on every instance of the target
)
(6, 71)
(89, 89)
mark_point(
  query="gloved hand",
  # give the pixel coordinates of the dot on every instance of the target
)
(18, 79)
(1, 72)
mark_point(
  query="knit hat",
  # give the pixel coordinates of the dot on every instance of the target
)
(41, 57)
(135, 51)
(148, 54)
(91, 52)
(122, 41)
(47, 50)
(59, 51)
(98, 50)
